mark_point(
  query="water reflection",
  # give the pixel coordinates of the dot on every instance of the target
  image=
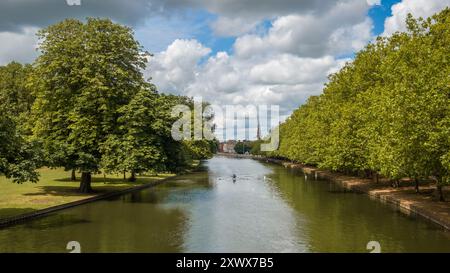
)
(233, 205)
(340, 221)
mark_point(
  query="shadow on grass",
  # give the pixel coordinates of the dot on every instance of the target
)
(99, 186)
(112, 181)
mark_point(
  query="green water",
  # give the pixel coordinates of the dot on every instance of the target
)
(266, 209)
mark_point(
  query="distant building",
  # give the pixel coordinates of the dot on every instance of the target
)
(221, 145)
(227, 147)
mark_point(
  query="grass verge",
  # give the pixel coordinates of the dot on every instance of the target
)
(55, 188)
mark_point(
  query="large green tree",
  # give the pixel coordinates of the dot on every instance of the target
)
(19, 157)
(15, 96)
(387, 112)
(138, 144)
(85, 74)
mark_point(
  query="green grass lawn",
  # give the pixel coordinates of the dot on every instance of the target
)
(55, 188)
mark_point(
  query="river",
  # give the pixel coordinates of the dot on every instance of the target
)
(266, 208)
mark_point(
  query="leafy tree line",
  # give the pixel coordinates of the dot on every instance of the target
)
(243, 147)
(386, 113)
(18, 157)
(84, 105)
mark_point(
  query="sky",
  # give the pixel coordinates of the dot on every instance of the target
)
(229, 52)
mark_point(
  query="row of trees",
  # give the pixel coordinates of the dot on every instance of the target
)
(387, 112)
(84, 105)
(243, 147)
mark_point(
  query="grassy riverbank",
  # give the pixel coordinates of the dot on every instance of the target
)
(55, 188)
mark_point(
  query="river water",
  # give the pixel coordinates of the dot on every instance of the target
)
(266, 208)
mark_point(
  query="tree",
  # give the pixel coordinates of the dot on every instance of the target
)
(16, 97)
(137, 147)
(179, 154)
(85, 74)
(386, 112)
(243, 147)
(19, 158)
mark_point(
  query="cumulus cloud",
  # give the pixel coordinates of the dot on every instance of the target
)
(223, 79)
(234, 18)
(260, 8)
(237, 17)
(24, 13)
(20, 19)
(225, 26)
(283, 65)
(418, 8)
(18, 46)
(176, 67)
(38, 13)
(289, 69)
(313, 35)
(373, 2)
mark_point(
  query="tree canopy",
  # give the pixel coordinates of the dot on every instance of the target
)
(18, 157)
(84, 105)
(385, 112)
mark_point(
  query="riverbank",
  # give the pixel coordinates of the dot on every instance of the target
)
(55, 191)
(403, 197)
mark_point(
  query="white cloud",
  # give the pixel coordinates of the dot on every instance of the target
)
(418, 8)
(158, 32)
(19, 46)
(283, 65)
(289, 69)
(236, 17)
(350, 39)
(175, 68)
(313, 35)
(373, 2)
(40, 13)
(283, 79)
(225, 26)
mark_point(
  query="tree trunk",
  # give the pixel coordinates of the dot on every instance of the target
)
(73, 177)
(85, 185)
(441, 193)
(377, 178)
(124, 175)
(416, 180)
(395, 183)
(133, 177)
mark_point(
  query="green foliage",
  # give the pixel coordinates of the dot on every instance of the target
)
(243, 147)
(19, 157)
(16, 98)
(84, 76)
(179, 154)
(135, 147)
(95, 112)
(387, 111)
(91, 109)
